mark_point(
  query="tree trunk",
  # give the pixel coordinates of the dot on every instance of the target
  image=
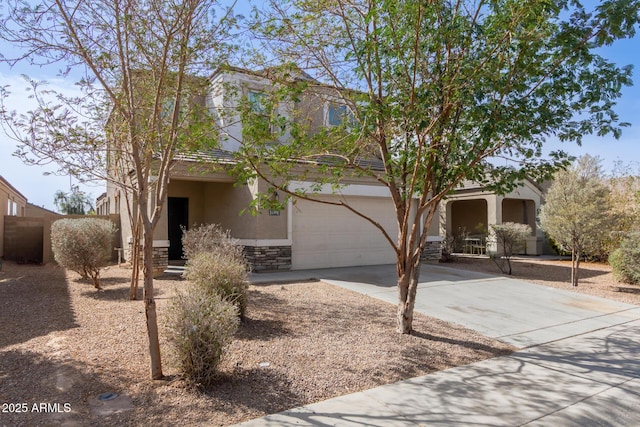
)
(150, 307)
(575, 274)
(135, 262)
(573, 264)
(407, 289)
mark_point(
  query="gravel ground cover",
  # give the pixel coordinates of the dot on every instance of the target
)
(62, 344)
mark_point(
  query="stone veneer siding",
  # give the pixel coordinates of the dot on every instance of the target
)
(432, 250)
(268, 258)
(160, 258)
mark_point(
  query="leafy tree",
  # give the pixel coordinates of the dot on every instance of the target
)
(508, 237)
(429, 93)
(141, 67)
(576, 213)
(76, 202)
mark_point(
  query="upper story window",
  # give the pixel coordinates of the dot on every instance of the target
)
(12, 208)
(258, 102)
(338, 115)
(265, 114)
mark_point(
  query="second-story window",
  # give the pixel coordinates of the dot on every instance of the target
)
(258, 102)
(339, 115)
(260, 106)
(336, 114)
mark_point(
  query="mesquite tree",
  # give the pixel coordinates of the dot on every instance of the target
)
(429, 93)
(138, 64)
(577, 213)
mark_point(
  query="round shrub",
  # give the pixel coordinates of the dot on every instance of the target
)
(200, 326)
(221, 274)
(83, 245)
(625, 261)
(210, 238)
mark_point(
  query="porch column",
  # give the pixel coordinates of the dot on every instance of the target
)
(494, 216)
(160, 235)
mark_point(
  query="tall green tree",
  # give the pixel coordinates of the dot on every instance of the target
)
(432, 91)
(141, 66)
(74, 202)
(577, 211)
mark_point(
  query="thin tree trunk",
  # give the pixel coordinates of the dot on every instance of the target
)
(135, 261)
(573, 267)
(577, 269)
(407, 289)
(150, 307)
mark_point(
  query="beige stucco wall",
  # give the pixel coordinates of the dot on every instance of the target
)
(312, 109)
(228, 205)
(7, 192)
(224, 205)
(470, 215)
(520, 211)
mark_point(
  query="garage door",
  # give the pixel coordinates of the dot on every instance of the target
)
(332, 236)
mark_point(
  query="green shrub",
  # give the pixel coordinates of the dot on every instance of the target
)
(200, 326)
(625, 261)
(221, 274)
(83, 245)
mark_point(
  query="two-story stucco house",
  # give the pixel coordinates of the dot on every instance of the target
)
(303, 235)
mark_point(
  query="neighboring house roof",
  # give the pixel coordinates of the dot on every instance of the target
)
(265, 72)
(12, 188)
(35, 210)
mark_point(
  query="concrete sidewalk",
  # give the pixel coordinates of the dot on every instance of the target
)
(581, 366)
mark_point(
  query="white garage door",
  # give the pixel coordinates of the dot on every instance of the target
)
(332, 236)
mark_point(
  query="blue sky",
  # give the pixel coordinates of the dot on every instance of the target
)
(39, 189)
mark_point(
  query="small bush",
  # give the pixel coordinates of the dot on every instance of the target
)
(221, 274)
(625, 261)
(216, 263)
(83, 245)
(509, 237)
(210, 238)
(200, 326)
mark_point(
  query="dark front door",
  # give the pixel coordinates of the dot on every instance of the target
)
(178, 214)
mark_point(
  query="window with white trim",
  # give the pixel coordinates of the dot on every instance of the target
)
(338, 114)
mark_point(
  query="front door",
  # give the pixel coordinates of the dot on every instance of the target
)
(178, 214)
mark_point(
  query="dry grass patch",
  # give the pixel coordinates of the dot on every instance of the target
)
(300, 343)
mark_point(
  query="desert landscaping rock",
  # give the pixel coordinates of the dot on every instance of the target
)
(63, 342)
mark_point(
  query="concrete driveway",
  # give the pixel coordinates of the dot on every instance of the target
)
(580, 365)
(513, 311)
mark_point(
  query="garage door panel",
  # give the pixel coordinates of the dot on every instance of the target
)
(332, 236)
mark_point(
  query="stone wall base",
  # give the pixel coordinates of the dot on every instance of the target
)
(160, 257)
(268, 258)
(432, 251)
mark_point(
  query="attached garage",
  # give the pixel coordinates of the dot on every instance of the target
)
(332, 236)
